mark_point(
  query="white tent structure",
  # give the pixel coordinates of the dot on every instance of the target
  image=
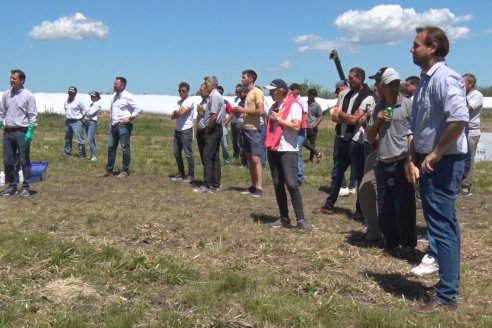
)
(155, 104)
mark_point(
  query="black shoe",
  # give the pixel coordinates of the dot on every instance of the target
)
(250, 190)
(25, 192)
(9, 191)
(303, 225)
(281, 224)
(257, 193)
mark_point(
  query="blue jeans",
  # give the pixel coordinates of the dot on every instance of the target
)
(283, 166)
(183, 141)
(396, 205)
(74, 127)
(225, 145)
(263, 153)
(438, 193)
(119, 133)
(90, 130)
(15, 149)
(300, 163)
(345, 153)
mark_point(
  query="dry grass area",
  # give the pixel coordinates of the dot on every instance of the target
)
(148, 252)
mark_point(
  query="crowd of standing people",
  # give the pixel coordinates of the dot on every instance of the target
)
(405, 149)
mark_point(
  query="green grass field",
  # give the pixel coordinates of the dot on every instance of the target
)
(148, 252)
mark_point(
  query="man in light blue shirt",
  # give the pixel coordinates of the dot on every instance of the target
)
(437, 148)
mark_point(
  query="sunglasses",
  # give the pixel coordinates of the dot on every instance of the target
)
(182, 91)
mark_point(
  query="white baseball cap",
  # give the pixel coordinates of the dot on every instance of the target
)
(389, 76)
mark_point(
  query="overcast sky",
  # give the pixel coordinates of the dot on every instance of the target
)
(157, 44)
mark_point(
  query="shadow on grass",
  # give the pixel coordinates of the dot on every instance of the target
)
(398, 285)
(358, 239)
(263, 218)
(347, 213)
(421, 231)
(238, 189)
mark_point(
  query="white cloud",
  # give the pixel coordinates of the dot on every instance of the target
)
(284, 66)
(489, 31)
(75, 27)
(384, 24)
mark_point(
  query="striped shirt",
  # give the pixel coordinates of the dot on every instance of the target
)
(18, 108)
(439, 99)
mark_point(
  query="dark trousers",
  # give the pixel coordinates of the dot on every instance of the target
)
(15, 148)
(283, 166)
(396, 205)
(211, 158)
(235, 141)
(310, 142)
(345, 153)
(200, 140)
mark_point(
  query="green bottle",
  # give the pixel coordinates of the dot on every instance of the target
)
(389, 110)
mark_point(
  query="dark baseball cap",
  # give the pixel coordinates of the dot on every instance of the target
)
(72, 89)
(378, 74)
(276, 84)
(294, 86)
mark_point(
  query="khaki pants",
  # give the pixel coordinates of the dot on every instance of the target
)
(367, 197)
(468, 178)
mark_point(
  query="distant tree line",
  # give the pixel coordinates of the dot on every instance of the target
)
(486, 91)
(328, 94)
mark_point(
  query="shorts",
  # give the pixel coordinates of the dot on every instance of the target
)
(252, 142)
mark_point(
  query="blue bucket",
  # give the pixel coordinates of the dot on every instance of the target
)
(38, 171)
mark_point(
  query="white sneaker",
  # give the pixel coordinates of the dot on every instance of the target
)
(344, 192)
(352, 190)
(428, 266)
(93, 158)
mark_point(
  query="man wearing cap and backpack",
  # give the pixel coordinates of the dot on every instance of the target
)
(74, 112)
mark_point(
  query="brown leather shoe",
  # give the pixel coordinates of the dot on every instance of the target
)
(432, 305)
(105, 174)
(324, 210)
(123, 174)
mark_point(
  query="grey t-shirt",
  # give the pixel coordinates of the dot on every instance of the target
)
(314, 111)
(393, 140)
(216, 105)
(475, 100)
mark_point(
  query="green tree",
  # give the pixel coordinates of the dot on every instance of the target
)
(486, 91)
(322, 93)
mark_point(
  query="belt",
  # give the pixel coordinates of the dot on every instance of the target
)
(393, 159)
(421, 156)
(15, 128)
